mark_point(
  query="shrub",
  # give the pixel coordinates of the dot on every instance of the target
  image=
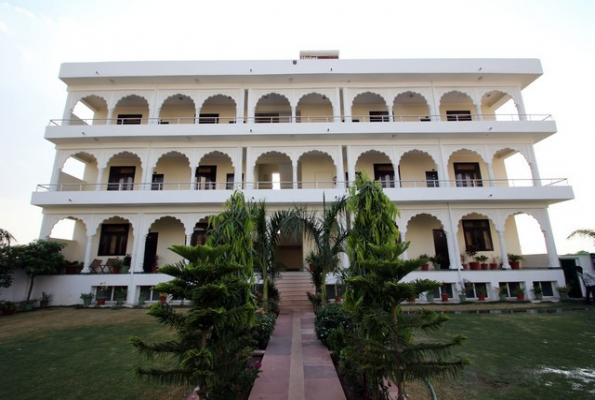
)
(329, 318)
(263, 329)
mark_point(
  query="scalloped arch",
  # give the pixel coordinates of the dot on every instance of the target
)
(314, 92)
(532, 213)
(269, 93)
(83, 97)
(428, 213)
(167, 152)
(177, 95)
(129, 95)
(305, 152)
(368, 92)
(464, 92)
(219, 95)
(53, 220)
(432, 156)
(229, 156)
(268, 152)
(410, 91)
(363, 152)
(519, 150)
(503, 91)
(452, 151)
(156, 219)
(66, 156)
(125, 152)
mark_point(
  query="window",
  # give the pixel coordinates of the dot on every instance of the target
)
(113, 240)
(111, 293)
(432, 179)
(200, 234)
(129, 119)
(385, 174)
(206, 177)
(546, 288)
(148, 293)
(379, 116)
(445, 288)
(459, 115)
(509, 288)
(477, 234)
(157, 182)
(121, 178)
(208, 119)
(468, 174)
(471, 289)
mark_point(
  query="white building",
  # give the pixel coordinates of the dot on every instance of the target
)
(170, 141)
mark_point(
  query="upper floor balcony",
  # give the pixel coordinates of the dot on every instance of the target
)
(282, 112)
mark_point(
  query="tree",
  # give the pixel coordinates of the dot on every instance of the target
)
(380, 343)
(328, 233)
(213, 338)
(40, 257)
(584, 233)
(6, 267)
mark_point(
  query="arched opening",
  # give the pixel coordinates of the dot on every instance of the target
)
(426, 235)
(511, 169)
(90, 110)
(524, 236)
(316, 170)
(272, 108)
(172, 172)
(163, 233)
(477, 237)
(131, 110)
(79, 173)
(378, 165)
(201, 231)
(218, 109)
(215, 171)
(457, 106)
(467, 169)
(273, 170)
(115, 238)
(411, 107)
(369, 107)
(314, 107)
(72, 232)
(123, 172)
(418, 169)
(177, 109)
(498, 106)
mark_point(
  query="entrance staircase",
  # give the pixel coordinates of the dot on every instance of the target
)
(292, 287)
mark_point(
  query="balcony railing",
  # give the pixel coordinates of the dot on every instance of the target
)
(300, 119)
(284, 185)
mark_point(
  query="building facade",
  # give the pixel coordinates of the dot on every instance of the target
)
(166, 143)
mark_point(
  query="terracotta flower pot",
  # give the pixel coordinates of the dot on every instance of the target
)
(484, 266)
(425, 267)
(481, 297)
(474, 265)
(101, 301)
(515, 264)
(444, 296)
(493, 265)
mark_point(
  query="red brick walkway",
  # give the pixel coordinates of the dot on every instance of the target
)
(296, 366)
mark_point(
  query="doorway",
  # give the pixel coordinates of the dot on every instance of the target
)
(150, 260)
(441, 248)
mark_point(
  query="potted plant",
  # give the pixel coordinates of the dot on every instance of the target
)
(100, 299)
(87, 297)
(437, 261)
(481, 259)
(45, 299)
(503, 292)
(463, 293)
(117, 266)
(338, 292)
(444, 296)
(126, 263)
(537, 289)
(464, 261)
(515, 260)
(481, 293)
(162, 298)
(73, 267)
(142, 298)
(494, 263)
(8, 307)
(120, 297)
(425, 258)
(519, 293)
(471, 253)
(430, 296)
(564, 290)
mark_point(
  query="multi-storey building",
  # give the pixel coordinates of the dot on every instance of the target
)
(168, 142)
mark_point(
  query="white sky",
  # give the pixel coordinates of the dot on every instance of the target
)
(36, 36)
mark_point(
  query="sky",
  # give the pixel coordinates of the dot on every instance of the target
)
(36, 36)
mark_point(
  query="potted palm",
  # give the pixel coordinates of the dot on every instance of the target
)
(437, 261)
(514, 260)
(503, 293)
(120, 297)
(430, 296)
(519, 292)
(126, 262)
(471, 253)
(464, 261)
(87, 297)
(538, 291)
(481, 259)
(426, 258)
(45, 299)
(495, 263)
(564, 290)
(481, 293)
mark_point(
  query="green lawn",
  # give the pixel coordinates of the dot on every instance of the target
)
(523, 356)
(67, 353)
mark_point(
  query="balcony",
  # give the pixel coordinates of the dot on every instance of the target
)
(187, 129)
(182, 193)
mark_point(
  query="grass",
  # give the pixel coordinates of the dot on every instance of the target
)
(67, 353)
(521, 356)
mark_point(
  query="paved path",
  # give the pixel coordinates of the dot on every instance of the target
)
(296, 366)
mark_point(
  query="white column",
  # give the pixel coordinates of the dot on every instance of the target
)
(455, 242)
(240, 108)
(397, 179)
(347, 103)
(100, 173)
(478, 111)
(55, 178)
(249, 169)
(237, 177)
(339, 170)
(550, 244)
(390, 113)
(87, 262)
(337, 106)
(110, 116)
(491, 174)
(138, 257)
(435, 112)
(156, 118)
(453, 252)
(520, 106)
(503, 251)
(293, 112)
(442, 167)
(350, 166)
(197, 115)
(188, 239)
(192, 179)
(405, 254)
(294, 168)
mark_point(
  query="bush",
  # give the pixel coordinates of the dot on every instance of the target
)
(263, 328)
(329, 318)
(274, 297)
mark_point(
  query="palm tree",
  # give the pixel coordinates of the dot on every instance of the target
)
(328, 232)
(5, 238)
(584, 233)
